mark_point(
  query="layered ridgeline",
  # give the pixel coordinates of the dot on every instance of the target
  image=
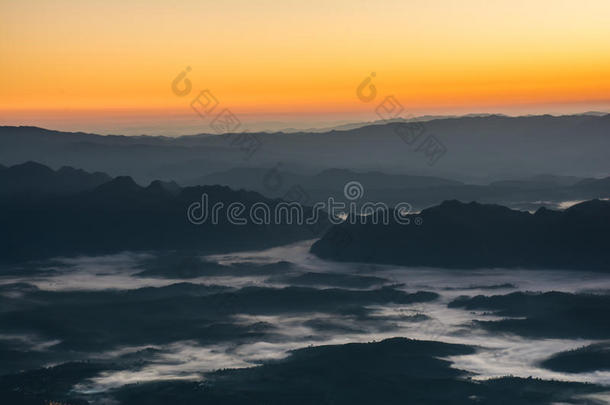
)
(46, 213)
(487, 148)
(275, 182)
(471, 235)
(35, 179)
(528, 193)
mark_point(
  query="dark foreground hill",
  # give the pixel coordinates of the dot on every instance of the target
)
(393, 371)
(459, 235)
(551, 314)
(69, 218)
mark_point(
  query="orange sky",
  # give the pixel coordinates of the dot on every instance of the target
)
(78, 61)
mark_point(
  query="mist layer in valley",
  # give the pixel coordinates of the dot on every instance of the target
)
(169, 321)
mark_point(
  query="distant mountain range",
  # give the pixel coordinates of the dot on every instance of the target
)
(473, 235)
(476, 149)
(419, 191)
(329, 179)
(46, 213)
(33, 178)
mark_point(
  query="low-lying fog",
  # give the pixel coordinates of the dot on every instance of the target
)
(122, 308)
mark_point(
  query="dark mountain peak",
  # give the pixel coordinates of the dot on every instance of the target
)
(30, 168)
(156, 185)
(119, 185)
(162, 187)
(33, 178)
(591, 207)
(458, 208)
(545, 212)
(454, 204)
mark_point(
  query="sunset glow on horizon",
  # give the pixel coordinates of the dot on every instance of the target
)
(284, 60)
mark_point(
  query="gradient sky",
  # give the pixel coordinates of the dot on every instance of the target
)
(108, 65)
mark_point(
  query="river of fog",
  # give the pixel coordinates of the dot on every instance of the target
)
(498, 354)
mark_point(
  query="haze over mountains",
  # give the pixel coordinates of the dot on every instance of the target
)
(527, 193)
(478, 149)
(104, 281)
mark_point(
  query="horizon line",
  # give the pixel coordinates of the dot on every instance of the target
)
(326, 129)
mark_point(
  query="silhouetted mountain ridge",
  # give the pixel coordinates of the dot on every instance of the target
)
(35, 178)
(121, 215)
(471, 235)
(481, 147)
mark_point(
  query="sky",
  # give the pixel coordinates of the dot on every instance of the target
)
(108, 66)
